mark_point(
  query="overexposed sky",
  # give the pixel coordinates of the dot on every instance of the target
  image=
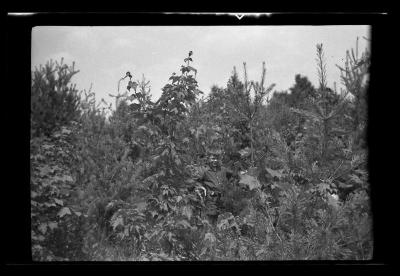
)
(104, 54)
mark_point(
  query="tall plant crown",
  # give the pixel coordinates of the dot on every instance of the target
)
(54, 100)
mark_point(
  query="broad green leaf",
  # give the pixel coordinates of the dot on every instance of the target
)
(141, 206)
(249, 181)
(184, 223)
(59, 201)
(46, 170)
(223, 224)
(210, 237)
(323, 188)
(47, 147)
(275, 173)
(116, 222)
(178, 198)
(43, 228)
(224, 220)
(190, 68)
(244, 152)
(49, 204)
(165, 152)
(164, 206)
(39, 238)
(53, 225)
(63, 178)
(333, 201)
(187, 211)
(65, 130)
(154, 213)
(64, 211)
(126, 231)
(259, 252)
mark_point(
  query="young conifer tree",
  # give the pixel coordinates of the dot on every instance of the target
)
(355, 78)
(246, 105)
(54, 100)
(324, 110)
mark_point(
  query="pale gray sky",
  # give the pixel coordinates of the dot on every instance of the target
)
(104, 54)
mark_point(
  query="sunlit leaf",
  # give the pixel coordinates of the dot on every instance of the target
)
(259, 252)
(65, 131)
(187, 211)
(223, 224)
(53, 225)
(66, 178)
(39, 238)
(47, 204)
(43, 228)
(165, 152)
(333, 201)
(64, 211)
(210, 237)
(59, 201)
(116, 222)
(47, 147)
(274, 173)
(249, 181)
(126, 231)
(244, 152)
(184, 223)
(154, 213)
(46, 170)
(323, 187)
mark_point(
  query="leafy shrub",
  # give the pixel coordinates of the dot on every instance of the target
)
(57, 224)
(222, 178)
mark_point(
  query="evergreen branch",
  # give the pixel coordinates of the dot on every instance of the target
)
(307, 114)
(330, 178)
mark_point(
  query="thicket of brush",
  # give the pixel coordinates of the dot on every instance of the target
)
(242, 174)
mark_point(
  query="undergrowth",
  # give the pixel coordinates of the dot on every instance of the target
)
(238, 175)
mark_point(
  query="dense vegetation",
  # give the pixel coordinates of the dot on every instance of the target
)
(241, 174)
